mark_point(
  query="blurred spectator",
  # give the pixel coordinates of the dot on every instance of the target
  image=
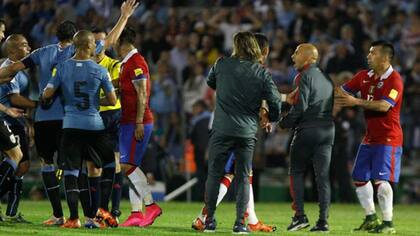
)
(194, 88)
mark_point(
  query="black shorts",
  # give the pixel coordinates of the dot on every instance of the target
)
(111, 120)
(23, 140)
(7, 139)
(91, 145)
(47, 139)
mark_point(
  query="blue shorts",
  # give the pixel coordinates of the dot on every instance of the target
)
(381, 162)
(131, 150)
(230, 164)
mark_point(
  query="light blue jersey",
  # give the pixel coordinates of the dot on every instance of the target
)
(20, 85)
(80, 82)
(46, 58)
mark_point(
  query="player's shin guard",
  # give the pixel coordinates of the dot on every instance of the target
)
(72, 192)
(107, 179)
(364, 193)
(52, 187)
(7, 170)
(94, 193)
(116, 191)
(85, 198)
(385, 198)
(14, 196)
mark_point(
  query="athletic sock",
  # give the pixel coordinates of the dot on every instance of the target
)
(116, 191)
(72, 192)
(94, 193)
(385, 199)
(252, 216)
(135, 200)
(52, 188)
(85, 198)
(223, 188)
(106, 181)
(139, 180)
(365, 196)
(7, 170)
(14, 195)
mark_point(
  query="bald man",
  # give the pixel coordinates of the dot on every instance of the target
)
(311, 119)
(80, 79)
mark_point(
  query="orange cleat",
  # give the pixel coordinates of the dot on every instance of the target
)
(107, 217)
(72, 224)
(261, 227)
(198, 224)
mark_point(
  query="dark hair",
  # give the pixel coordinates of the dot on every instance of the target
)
(66, 30)
(128, 36)
(386, 47)
(201, 103)
(262, 40)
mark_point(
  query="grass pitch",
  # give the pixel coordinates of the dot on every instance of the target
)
(177, 218)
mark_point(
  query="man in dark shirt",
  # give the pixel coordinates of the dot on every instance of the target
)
(241, 83)
(312, 121)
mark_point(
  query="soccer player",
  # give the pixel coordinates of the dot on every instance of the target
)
(48, 122)
(15, 93)
(254, 224)
(111, 116)
(80, 80)
(312, 122)
(379, 155)
(135, 128)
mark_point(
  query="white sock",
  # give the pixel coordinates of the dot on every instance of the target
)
(139, 180)
(224, 186)
(135, 200)
(365, 195)
(252, 216)
(385, 198)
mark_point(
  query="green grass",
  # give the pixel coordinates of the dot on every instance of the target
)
(177, 218)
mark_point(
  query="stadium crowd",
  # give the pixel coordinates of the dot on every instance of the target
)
(182, 39)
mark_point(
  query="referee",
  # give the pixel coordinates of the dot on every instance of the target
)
(241, 83)
(312, 121)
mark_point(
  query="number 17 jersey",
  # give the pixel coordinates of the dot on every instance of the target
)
(80, 82)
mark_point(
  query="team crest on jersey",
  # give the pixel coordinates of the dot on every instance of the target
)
(380, 84)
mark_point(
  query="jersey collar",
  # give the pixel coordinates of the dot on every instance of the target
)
(385, 75)
(130, 54)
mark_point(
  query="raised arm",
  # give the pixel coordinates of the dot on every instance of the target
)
(127, 9)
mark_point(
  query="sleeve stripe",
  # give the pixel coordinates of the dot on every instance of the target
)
(140, 77)
(389, 100)
(347, 89)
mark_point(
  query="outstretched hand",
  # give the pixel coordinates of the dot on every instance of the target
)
(290, 98)
(128, 7)
(14, 112)
(343, 99)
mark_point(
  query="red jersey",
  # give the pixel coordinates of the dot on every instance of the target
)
(382, 127)
(133, 67)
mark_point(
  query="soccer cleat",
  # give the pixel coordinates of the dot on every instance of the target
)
(321, 226)
(54, 221)
(210, 226)
(298, 222)
(17, 219)
(134, 219)
(72, 224)
(384, 228)
(152, 212)
(94, 223)
(370, 222)
(240, 228)
(198, 224)
(107, 217)
(261, 227)
(116, 213)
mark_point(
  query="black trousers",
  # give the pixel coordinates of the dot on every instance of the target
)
(220, 146)
(311, 146)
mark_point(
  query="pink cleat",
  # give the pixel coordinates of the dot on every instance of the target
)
(152, 212)
(134, 219)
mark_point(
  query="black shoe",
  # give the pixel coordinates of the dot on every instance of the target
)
(115, 213)
(321, 226)
(298, 222)
(210, 226)
(240, 228)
